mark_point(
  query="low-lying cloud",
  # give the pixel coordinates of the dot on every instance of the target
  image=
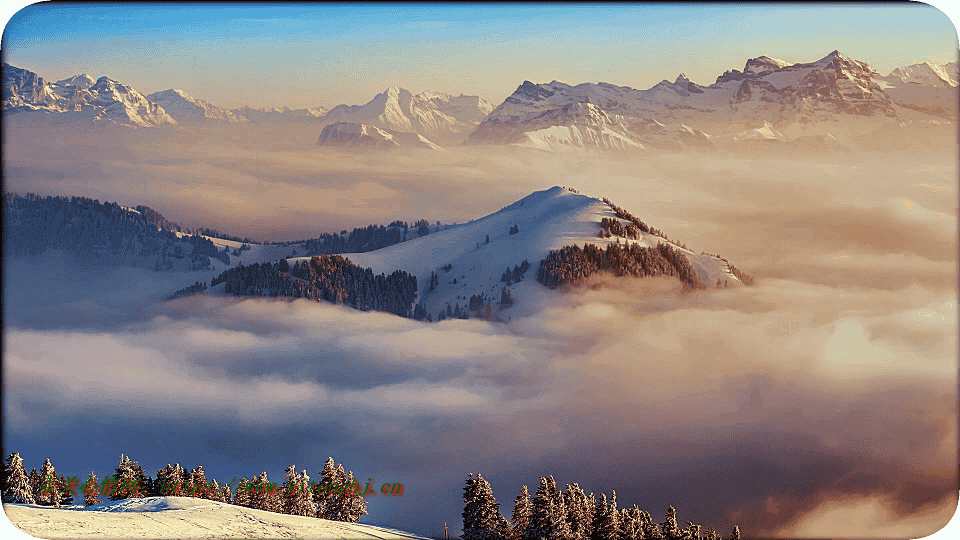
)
(829, 388)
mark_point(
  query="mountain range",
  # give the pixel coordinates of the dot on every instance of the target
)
(834, 102)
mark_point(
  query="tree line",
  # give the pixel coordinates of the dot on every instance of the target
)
(571, 265)
(297, 496)
(331, 278)
(106, 231)
(572, 515)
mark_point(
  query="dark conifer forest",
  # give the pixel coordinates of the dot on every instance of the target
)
(101, 232)
(331, 278)
(571, 265)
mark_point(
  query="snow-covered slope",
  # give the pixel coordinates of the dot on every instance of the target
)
(186, 109)
(105, 101)
(925, 73)
(282, 114)
(547, 220)
(362, 136)
(182, 518)
(795, 99)
(433, 115)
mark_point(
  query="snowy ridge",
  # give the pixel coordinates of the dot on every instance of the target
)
(105, 101)
(547, 220)
(428, 114)
(363, 136)
(184, 108)
(182, 518)
(796, 99)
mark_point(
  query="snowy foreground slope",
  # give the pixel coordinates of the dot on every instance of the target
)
(547, 220)
(181, 517)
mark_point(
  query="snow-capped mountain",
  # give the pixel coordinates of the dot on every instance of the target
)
(433, 115)
(925, 73)
(282, 114)
(470, 259)
(186, 109)
(104, 101)
(362, 136)
(835, 95)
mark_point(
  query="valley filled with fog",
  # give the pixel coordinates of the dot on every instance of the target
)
(828, 386)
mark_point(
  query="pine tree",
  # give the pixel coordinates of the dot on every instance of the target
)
(264, 494)
(297, 499)
(521, 514)
(16, 483)
(241, 497)
(90, 490)
(130, 480)
(197, 483)
(736, 533)
(606, 519)
(35, 485)
(66, 494)
(49, 494)
(481, 512)
(580, 508)
(671, 529)
(332, 477)
(548, 516)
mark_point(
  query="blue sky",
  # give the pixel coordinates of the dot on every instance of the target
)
(303, 56)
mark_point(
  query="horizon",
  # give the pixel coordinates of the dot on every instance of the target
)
(333, 54)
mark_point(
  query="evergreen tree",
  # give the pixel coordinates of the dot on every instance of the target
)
(580, 508)
(49, 494)
(332, 476)
(241, 497)
(548, 516)
(521, 514)
(297, 498)
(35, 485)
(651, 531)
(198, 482)
(130, 480)
(225, 495)
(66, 493)
(90, 490)
(736, 533)
(264, 494)
(671, 529)
(606, 519)
(481, 512)
(16, 483)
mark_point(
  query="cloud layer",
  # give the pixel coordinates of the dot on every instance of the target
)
(827, 389)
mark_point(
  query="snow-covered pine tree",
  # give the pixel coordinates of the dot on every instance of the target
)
(580, 508)
(606, 519)
(66, 494)
(481, 512)
(521, 514)
(225, 494)
(90, 490)
(651, 530)
(736, 533)
(197, 483)
(331, 477)
(629, 523)
(130, 480)
(671, 529)
(213, 492)
(35, 485)
(548, 516)
(264, 494)
(304, 504)
(49, 494)
(348, 505)
(241, 497)
(16, 483)
(291, 491)
(692, 532)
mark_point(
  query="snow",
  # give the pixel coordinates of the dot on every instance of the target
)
(548, 220)
(762, 133)
(182, 517)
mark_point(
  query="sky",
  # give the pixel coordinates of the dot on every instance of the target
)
(308, 56)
